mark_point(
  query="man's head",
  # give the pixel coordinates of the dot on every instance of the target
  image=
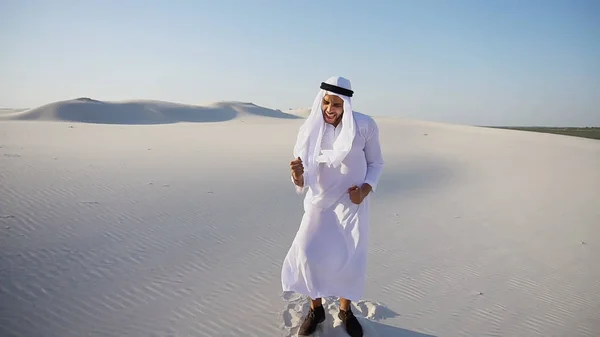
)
(332, 107)
(337, 89)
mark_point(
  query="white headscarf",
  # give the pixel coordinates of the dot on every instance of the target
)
(308, 142)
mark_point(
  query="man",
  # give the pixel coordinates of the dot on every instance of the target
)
(338, 164)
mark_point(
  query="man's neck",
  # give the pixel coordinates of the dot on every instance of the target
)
(336, 123)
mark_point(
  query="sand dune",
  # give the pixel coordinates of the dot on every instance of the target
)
(10, 111)
(142, 112)
(300, 112)
(180, 229)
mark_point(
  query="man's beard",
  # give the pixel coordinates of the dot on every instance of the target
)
(334, 120)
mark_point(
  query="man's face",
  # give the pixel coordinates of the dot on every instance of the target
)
(333, 109)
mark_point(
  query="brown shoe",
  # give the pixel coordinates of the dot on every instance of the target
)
(312, 319)
(351, 324)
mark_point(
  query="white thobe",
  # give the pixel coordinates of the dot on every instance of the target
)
(329, 253)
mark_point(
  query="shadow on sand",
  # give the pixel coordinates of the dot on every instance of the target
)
(86, 110)
(416, 174)
(383, 330)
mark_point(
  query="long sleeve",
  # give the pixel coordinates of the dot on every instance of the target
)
(373, 156)
(299, 190)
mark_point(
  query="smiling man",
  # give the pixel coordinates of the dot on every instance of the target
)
(338, 164)
(333, 107)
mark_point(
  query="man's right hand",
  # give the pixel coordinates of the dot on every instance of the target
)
(297, 169)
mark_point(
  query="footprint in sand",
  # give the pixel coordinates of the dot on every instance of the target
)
(375, 311)
(366, 312)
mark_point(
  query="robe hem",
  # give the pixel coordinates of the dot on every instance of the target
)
(322, 294)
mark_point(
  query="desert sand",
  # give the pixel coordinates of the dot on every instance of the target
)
(147, 218)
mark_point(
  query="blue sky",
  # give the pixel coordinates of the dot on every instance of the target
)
(478, 62)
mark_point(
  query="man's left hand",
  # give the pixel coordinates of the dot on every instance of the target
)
(358, 194)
